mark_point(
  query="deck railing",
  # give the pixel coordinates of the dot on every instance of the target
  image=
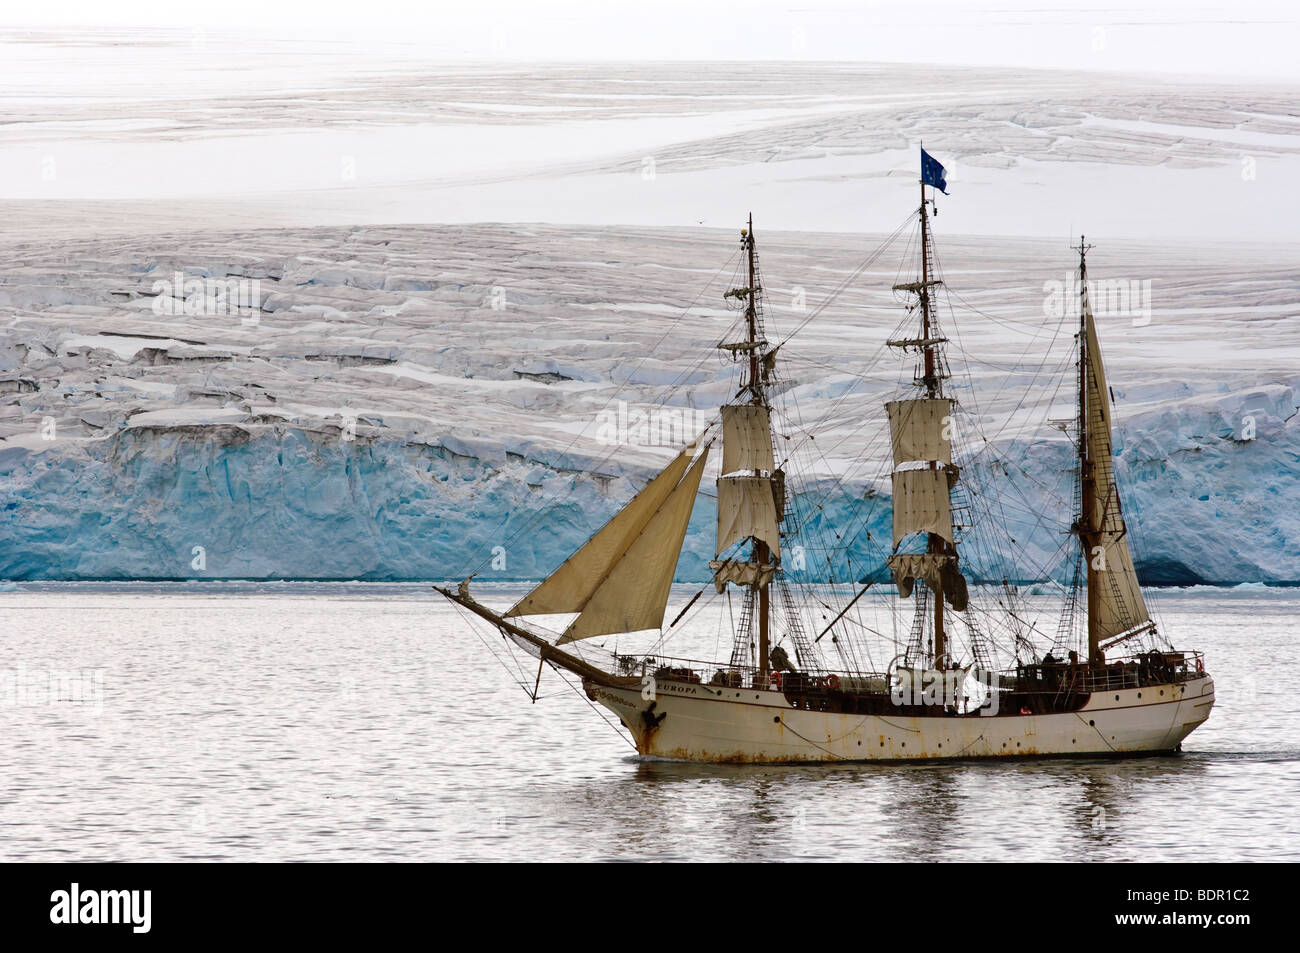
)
(1120, 673)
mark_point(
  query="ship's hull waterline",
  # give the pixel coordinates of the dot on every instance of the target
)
(704, 723)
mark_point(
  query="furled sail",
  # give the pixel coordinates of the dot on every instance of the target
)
(741, 573)
(918, 429)
(746, 508)
(571, 587)
(936, 570)
(746, 438)
(1119, 601)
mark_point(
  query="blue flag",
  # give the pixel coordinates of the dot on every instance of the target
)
(932, 173)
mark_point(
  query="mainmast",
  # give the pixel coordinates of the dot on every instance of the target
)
(920, 433)
(932, 390)
(923, 290)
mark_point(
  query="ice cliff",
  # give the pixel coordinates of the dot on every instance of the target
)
(420, 403)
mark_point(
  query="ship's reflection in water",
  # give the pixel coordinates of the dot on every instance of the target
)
(367, 723)
(1050, 809)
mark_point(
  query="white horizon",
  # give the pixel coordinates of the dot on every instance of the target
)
(1253, 40)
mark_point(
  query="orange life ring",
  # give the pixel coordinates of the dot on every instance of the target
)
(833, 682)
(1200, 665)
(774, 679)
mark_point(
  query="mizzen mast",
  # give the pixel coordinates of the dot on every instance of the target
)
(1117, 610)
(1085, 529)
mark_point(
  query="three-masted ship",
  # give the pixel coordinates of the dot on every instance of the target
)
(938, 697)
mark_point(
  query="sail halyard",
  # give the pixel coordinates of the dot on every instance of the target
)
(1116, 606)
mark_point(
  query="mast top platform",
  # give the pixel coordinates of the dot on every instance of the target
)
(916, 286)
(916, 342)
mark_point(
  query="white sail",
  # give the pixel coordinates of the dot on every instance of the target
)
(920, 429)
(921, 504)
(1119, 603)
(746, 438)
(633, 593)
(920, 432)
(570, 587)
(746, 507)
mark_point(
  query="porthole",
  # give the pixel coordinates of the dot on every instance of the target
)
(1091, 723)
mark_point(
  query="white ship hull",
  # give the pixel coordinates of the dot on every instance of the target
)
(729, 725)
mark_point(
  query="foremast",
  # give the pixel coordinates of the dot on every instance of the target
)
(619, 580)
(751, 488)
(921, 432)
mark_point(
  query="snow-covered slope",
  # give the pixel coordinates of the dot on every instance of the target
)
(123, 136)
(407, 399)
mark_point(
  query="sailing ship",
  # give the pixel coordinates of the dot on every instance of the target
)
(1116, 688)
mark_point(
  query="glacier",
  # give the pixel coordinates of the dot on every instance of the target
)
(369, 425)
(357, 393)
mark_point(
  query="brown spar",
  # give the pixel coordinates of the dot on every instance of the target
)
(546, 651)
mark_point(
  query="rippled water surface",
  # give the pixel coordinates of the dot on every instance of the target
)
(365, 722)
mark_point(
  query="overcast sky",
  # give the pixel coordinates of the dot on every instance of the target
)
(1253, 38)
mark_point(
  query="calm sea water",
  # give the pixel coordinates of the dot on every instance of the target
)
(364, 722)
